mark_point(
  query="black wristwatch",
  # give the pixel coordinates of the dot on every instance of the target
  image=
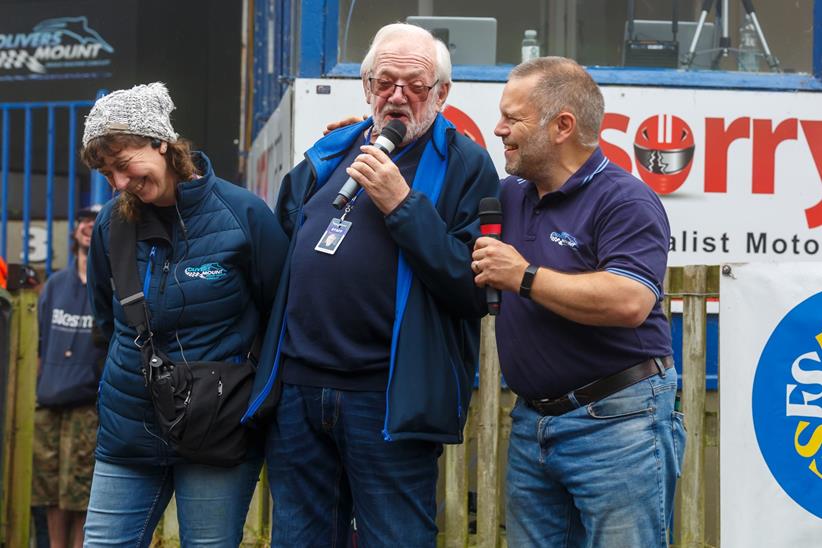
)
(527, 281)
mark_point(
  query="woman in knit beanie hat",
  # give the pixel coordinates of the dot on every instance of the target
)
(208, 259)
(136, 118)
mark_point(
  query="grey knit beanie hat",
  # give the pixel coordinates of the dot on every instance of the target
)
(142, 110)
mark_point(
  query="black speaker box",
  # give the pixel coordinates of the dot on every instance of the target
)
(652, 53)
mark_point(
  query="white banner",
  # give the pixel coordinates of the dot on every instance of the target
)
(771, 405)
(739, 172)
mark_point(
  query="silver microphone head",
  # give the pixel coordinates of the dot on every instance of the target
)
(391, 136)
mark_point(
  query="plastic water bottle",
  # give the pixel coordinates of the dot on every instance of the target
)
(748, 60)
(530, 46)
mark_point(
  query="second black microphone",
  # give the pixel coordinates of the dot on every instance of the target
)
(490, 215)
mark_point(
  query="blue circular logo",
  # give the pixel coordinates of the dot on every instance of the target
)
(787, 404)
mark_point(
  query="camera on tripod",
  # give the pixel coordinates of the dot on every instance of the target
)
(650, 44)
(725, 41)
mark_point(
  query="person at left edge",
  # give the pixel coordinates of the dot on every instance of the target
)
(187, 218)
(377, 342)
(65, 422)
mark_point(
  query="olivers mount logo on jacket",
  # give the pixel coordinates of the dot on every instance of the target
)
(208, 271)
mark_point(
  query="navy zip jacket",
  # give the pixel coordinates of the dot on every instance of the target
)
(212, 285)
(435, 341)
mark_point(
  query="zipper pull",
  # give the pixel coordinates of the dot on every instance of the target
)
(220, 388)
(166, 268)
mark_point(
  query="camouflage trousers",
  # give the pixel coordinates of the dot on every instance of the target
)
(64, 442)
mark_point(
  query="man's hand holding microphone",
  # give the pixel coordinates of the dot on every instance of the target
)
(376, 173)
(496, 265)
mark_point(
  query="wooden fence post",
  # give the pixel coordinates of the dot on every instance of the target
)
(254, 528)
(456, 493)
(260, 513)
(488, 477)
(667, 288)
(694, 326)
(22, 381)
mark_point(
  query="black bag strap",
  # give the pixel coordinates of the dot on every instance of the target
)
(125, 276)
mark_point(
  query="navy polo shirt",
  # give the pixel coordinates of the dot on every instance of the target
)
(340, 311)
(601, 219)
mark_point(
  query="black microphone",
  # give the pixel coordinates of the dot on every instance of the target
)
(391, 135)
(490, 214)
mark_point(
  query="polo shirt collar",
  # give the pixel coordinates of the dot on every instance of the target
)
(584, 175)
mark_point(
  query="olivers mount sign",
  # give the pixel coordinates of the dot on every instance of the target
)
(56, 48)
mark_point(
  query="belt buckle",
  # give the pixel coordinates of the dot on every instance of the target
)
(545, 405)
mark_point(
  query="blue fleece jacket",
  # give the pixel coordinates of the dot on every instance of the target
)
(435, 336)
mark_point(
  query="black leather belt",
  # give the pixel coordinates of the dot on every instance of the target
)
(601, 388)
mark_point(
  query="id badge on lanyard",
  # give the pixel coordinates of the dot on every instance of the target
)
(333, 236)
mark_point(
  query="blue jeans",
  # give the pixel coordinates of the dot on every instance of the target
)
(41, 527)
(127, 501)
(327, 461)
(602, 475)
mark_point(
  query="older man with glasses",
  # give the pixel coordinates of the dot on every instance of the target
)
(375, 336)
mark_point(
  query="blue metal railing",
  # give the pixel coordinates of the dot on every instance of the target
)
(272, 57)
(50, 108)
(4, 167)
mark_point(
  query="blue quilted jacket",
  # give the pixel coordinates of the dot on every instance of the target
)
(211, 287)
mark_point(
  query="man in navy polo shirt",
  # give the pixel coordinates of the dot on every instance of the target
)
(375, 329)
(596, 442)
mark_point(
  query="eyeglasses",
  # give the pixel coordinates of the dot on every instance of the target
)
(415, 92)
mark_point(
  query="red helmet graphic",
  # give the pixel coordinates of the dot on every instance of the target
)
(464, 124)
(664, 150)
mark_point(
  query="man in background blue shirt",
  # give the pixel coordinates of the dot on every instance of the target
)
(71, 361)
(596, 443)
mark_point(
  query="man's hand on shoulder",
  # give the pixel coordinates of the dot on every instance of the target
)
(344, 122)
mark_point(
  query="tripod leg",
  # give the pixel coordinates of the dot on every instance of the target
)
(688, 58)
(773, 62)
(725, 37)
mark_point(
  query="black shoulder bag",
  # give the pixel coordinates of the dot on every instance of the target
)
(198, 405)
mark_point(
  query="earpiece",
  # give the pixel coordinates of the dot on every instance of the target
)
(162, 145)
